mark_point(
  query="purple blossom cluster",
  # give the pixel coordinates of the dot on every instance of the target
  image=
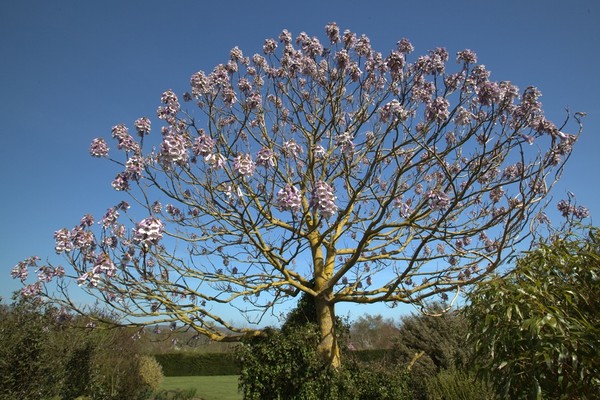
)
(496, 194)
(289, 199)
(323, 199)
(203, 145)
(173, 149)
(142, 125)
(148, 232)
(21, 270)
(45, 273)
(404, 207)
(124, 139)
(102, 266)
(438, 200)
(567, 209)
(437, 110)
(345, 143)
(265, 158)
(244, 165)
(99, 148)
(171, 107)
(291, 148)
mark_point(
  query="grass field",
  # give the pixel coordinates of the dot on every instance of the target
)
(224, 387)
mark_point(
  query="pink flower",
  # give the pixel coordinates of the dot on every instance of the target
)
(173, 149)
(405, 46)
(333, 32)
(269, 46)
(289, 199)
(134, 167)
(200, 83)
(203, 145)
(216, 161)
(467, 56)
(148, 231)
(438, 199)
(244, 165)
(323, 199)
(437, 110)
(121, 183)
(110, 218)
(142, 125)
(63, 241)
(291, 148)
(99, 148)
(265, 158)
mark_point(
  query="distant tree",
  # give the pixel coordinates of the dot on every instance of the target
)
(328, 169)
(536, 331)
(373, 332)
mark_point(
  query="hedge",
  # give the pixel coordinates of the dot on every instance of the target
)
(198, 364)
(210, 364)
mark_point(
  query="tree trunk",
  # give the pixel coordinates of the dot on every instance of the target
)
(329, 347)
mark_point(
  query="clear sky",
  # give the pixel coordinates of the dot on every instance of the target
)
(70, 70)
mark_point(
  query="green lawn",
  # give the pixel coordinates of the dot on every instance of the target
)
(223, 387)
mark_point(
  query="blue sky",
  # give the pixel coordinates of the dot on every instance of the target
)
(70, 70)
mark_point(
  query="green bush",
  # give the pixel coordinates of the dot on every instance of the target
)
(536, 331)
(150, 372)
(439, 341)
(454, 384)
(373, 355)
(30, 361)
(47, 353)
(284, 364)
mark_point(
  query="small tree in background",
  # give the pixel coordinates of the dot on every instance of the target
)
(328, 169)
(537, 331)
(373, 332)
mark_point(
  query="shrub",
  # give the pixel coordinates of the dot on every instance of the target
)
(536, 330)
(454, 384)
(439, 341)
(30, 362)
(150, 372)
(47, 353)
(284, 364)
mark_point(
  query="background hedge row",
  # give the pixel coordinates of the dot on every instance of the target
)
(198, 364)
(209, 364)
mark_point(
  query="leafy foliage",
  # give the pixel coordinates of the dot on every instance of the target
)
(48, 352)
(537, 330)
(285, 364)
(439, 342)
(25, 355)
(458, 384)
(151, 372)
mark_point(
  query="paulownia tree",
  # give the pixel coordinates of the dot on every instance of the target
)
(321, 168)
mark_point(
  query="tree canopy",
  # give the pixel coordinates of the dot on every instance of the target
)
(325, 168)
